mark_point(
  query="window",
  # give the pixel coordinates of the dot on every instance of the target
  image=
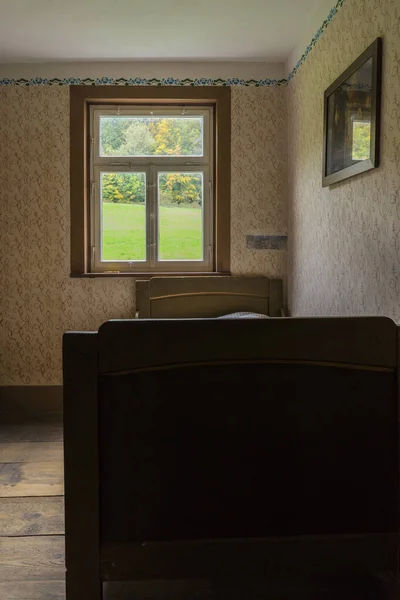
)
(152, 188)
(152, 192)
(361, 145)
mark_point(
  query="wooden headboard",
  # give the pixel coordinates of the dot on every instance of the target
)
(202, 297)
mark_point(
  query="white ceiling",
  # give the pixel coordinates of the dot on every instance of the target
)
(130, 30)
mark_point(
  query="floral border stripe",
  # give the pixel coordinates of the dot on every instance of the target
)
(315, 39)
(169, 81)
(235, 81)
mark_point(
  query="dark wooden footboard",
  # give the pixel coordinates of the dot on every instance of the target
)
(197, 448)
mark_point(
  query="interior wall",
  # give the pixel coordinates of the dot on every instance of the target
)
(344, 245)
(38, 299)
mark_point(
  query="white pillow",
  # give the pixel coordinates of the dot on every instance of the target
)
(244, 315)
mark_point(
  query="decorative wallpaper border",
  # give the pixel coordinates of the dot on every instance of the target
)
(235, 81)
(145, 82)
(315, 39)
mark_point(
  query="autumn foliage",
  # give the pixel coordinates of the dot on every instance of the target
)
(152, 136)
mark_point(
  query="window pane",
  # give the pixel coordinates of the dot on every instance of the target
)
(180, 216)
(151, 136)
(361, 140)
(123, 216)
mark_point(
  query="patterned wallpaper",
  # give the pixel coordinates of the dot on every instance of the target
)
(38, 300)
(344, 244)
(258, 177)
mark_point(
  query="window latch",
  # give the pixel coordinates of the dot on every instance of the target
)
(121, 164)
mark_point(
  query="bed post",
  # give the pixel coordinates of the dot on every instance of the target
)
(275, 297)
(142, 299)
(396, 585)
(81, 462)
(392, 589)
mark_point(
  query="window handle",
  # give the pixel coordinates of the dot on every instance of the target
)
(121, 164)
(151, 185)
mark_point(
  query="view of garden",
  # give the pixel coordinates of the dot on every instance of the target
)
(124, 230)
(180, 193)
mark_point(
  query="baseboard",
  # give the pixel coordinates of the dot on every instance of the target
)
(31, 400)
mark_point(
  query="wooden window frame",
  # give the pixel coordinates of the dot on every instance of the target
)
(81, 99)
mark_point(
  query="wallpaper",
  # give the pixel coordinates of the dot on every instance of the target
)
(38, 300)
(344, 245)
(258, 204)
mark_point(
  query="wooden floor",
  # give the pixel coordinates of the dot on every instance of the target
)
(32, 533)
(31, 509)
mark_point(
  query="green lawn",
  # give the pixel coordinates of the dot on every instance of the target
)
(124, 232)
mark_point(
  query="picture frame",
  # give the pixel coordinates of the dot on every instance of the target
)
(352, 110)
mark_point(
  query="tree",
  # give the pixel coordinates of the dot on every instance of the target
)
(192, 136)
(138, 140)
(167, 138)
(112, 135)
(123, 188)
(152, 136)
(181, 189)
(177, 136)
(361, 140)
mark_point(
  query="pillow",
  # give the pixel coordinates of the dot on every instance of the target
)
(244, 315)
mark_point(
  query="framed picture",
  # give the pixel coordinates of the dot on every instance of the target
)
(352, 118)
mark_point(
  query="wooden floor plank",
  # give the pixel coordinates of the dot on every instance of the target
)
(32, 590)
(20, 452)
(45, 428)
(31, 479)
(31, 516)
(32, 558)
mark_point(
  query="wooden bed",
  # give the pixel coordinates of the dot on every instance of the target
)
(201, 448)
(196, 297)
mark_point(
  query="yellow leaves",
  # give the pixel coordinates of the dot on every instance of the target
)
(182, 187)
(123, 187)
(180, 179)
(167, 137)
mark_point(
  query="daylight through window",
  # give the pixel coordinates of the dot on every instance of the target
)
(151, 171)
